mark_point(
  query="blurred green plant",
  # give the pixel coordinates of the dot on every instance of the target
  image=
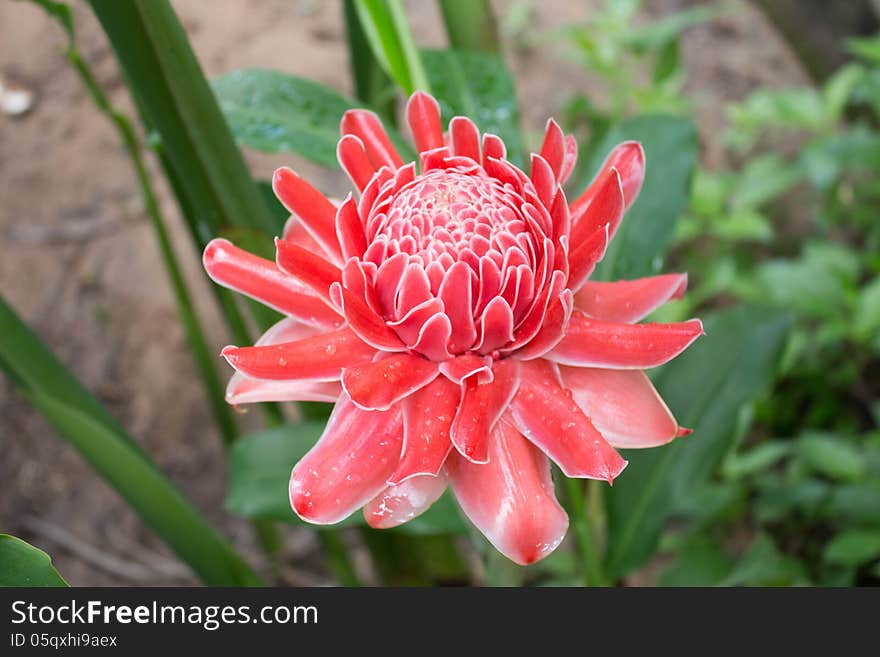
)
(794, 226)
(637, 64)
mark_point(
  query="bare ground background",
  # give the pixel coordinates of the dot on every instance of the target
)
(79, 263)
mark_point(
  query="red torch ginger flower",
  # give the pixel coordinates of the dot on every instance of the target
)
(448, 313)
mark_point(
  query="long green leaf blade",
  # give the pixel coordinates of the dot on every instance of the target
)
(81, 419)
(385, 26)
(171, 90)
(706, 388)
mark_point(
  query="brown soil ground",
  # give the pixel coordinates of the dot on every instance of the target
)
(80, 264)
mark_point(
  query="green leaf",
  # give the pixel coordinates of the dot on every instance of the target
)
(867, 48)
(385, 26)
(176, 101)
(854, 503)
(260, 466)
(706, 388)
(853, 547)
(762, 180)
(280, 113)
(839, 88)
(866, 320)
(744, 225)
(802, 286)
(79, 417)
(479, 86)
(757, 459)
(831, 456)
(702, 563)
(764, 565)
(22, 564)
(780, 500)
(646, 232)
(259, 470)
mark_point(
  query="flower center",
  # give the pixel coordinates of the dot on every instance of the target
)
(448, 216)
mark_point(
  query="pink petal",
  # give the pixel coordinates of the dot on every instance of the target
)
(534, 321)
(245, 390)
(318, 215)
(427, 417)
(510, 499)
(320, 357)
(295, 232)
(496, 326)
(350, 229)
(434, 338)
(353, 159)
(379, 385)
(348, 466)
(262, 280)
(629, 301)
(553, 148)
(571, 154)
(401, 503)
(550, 418)
(544, 180)
(596, 343)
(629, 160)
(622, 404)
(606, 206)
(467, 365)
(493, 147)
(482, 404)
(583, 260)
(423, 116)
(409, 327)
(388, 279)
(456, 292)
(434, 159)
(366, 126)
(363, 320)
(553, 330)
(465, 138)
(414, 289)
(308, 268)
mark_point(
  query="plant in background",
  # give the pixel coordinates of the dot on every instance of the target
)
(638, 65)
(449, 315)
(806, 480)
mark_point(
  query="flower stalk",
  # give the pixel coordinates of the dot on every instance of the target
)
(585, 531)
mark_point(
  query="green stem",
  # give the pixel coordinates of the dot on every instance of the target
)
(408, 44)
(585, 534)
(267, 534)
(471, 25)
(194, 332)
